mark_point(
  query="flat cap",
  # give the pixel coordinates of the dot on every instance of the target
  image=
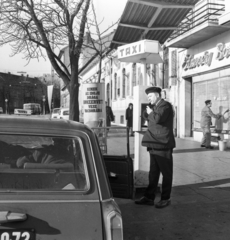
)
(152, 90)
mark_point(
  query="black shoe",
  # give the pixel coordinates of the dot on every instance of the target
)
(145, 201)
(163, 203)
(210, 147)
(202, 145)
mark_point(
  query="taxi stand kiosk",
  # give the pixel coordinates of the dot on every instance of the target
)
(145, 51)
(141, 156)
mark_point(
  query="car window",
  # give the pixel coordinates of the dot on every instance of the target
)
(42, 163)
(66, 112)
(56, 110)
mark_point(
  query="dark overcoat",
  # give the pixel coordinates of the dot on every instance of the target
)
(159, 134)
(129, 117)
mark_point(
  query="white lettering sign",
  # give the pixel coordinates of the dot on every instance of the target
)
(222, 51)
(191, 62)
(93, 103)
(130, 50)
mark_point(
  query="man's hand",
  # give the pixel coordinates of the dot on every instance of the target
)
(226, 111)
(148, 110)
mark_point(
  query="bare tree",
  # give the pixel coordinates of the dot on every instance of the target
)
(99, 48)
(37, 28)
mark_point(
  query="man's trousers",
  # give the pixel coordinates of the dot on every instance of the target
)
(160, 162)
(206, 140)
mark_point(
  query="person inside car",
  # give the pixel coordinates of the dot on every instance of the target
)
(57, 153)
(10, 152)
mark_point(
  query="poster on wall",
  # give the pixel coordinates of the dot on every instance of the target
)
(93, 95)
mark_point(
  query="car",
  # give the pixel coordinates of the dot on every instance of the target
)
(55, 113)
(63, 113)
(22, 112)
(54, 183)
(1, 110)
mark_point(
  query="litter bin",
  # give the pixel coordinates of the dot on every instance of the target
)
(222, 145)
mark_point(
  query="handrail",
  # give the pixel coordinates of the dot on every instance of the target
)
(194, 18)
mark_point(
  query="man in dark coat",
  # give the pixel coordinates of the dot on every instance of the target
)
(160, 141)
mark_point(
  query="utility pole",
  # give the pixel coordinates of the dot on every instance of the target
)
(52, 69)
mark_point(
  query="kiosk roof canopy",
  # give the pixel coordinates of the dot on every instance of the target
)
(150, 19)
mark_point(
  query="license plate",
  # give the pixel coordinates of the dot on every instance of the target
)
(20, 234)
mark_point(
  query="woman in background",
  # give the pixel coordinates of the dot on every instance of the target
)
(129, 118)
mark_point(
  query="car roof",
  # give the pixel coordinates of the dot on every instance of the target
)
(22, 124)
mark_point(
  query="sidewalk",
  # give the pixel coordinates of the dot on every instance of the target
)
(200, 208)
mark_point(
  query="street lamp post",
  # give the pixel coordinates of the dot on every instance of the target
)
(6, 101)
(43, 100)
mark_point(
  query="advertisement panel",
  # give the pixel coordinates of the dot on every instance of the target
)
(93, 95)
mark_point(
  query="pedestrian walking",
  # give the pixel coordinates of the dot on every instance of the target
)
(129, 118)
(206, 122)
(109, 116)
(160, 141)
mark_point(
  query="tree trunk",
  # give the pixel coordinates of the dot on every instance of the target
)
(100, 70)
(74, 96)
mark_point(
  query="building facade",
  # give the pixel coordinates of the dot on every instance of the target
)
(15, 90)
(120, 78)
(202, 67)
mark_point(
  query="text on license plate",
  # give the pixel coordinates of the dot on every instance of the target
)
(17, 234)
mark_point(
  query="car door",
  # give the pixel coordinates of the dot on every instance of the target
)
(119, 169)
(120, 174)
(44, 195)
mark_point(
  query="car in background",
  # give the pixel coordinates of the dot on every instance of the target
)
(22, 112)
(1, 110)
(55, 113)
(63, 113)
(54, 183)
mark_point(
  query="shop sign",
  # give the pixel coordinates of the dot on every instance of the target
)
(190, 62)
(130, 49)
(223, 51)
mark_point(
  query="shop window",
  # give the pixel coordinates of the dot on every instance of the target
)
(122, 119)
(140, 77)
(107, 93)
(165, 68)
(115, 86)
(111, 90)
(128, 85)
(123, 82)
(134, 77)
(15, 104)
(216, 90)
(118, 87)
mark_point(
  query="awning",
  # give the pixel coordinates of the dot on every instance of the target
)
(150, 19)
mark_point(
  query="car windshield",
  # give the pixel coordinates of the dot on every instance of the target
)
(42, 163)
(66, 112)
(56, 110)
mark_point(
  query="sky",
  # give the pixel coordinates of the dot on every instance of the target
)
(107, 11)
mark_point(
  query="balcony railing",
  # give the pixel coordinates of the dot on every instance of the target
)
(209, 12)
